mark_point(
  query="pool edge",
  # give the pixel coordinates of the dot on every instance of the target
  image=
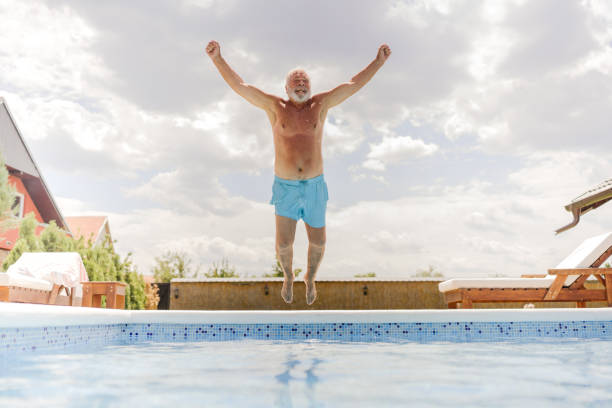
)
(28, 315)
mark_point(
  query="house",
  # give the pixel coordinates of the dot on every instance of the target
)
(33, 195)
(95, 228)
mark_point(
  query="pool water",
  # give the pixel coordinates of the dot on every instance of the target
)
(314, 373)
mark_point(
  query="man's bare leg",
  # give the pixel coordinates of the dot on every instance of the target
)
(285, 235)
(316, 248)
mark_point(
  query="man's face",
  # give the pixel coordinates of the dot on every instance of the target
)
(298, 87)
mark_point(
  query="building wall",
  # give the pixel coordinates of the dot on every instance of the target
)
(28, 205)
(332, 295)
(9, 237)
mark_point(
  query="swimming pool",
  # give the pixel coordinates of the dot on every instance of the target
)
(77, 357)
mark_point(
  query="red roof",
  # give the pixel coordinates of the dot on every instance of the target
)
(21, 165)
(8, 238)
(86, 226)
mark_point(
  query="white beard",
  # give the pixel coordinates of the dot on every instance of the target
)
(297, 98)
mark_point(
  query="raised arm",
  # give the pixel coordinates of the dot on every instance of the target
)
(337, 95)
(249, 92)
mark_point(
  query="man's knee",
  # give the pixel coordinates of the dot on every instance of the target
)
(284, 246)
(317, 243)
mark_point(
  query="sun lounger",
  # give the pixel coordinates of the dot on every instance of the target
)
(57, 278)
(564, 283)
(44, 277)
(26, 289)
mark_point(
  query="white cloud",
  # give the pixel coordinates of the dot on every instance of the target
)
(483, 222)
(419, 13)
(253, 256)
(46, 50)
(386, 241)
(136, 98)
(561, 175)
(72, 206)
(245, 238)
(396, 149)
(189, 192)
(343, 133)
(489, 51)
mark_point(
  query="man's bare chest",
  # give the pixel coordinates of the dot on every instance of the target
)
(291, 121)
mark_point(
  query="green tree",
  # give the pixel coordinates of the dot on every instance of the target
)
(430, 272)
(277, 271)
(53, 239)
(7, 199)
(136, 296)
(221, 269)
(27, 241)
(173, 264)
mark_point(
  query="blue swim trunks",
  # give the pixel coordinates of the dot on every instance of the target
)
(305, 199)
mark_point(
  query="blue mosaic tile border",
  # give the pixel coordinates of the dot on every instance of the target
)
(43, 339)
(368, 332)
(16, 341)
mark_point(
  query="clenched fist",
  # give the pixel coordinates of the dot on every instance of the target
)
(383, 52)
(213, 50)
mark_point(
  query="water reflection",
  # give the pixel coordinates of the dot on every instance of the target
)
(292, 374)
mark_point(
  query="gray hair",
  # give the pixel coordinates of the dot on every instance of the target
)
(294, 71)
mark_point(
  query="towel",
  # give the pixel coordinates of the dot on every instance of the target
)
(62, 268)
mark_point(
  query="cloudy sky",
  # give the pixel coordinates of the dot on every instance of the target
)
(460, 153)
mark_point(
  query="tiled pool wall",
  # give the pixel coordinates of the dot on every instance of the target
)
(52, 338)
(68, 338)
(30, 329)
(367, 332)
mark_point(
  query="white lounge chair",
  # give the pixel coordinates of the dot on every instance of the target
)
(41, 277)
(564, 283)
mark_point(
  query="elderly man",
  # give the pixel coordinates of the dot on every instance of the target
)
(299, 190)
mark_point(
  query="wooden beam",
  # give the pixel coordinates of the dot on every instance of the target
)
(535, 295)
(4, 294)
(609, 289)
(555, 288)
(466, 301)
(111, 299)
(602, 258)
(601, 279)
(26, 295)
(87, 296)
(452, 296)
(579, 271)
(53, 294)
(579, 283)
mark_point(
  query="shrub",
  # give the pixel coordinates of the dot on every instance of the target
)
(151, 296)
(221, 270)
(173, 264)
(277, 271)
(366, 275)
(430, 272)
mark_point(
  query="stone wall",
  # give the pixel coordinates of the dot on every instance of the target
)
(357, 294)
(264, 294)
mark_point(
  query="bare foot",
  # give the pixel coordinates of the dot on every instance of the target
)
(311, 290)
(287, 290)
